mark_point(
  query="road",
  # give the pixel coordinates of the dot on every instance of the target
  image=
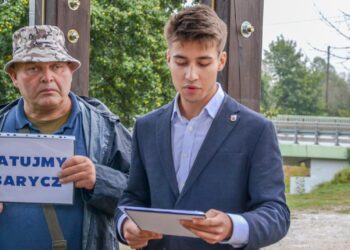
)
(316, 231)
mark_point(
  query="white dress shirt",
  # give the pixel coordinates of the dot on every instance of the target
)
(187, 137)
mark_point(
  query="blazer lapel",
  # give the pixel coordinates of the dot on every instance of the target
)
(163, 140)
(224, 122)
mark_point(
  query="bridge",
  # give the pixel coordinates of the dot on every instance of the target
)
(321, 143)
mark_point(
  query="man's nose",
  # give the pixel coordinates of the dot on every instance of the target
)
(46, 75)
(191, 73)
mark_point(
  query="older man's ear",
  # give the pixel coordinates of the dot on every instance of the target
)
(13, 75)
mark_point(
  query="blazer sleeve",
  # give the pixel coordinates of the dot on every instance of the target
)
(137, 191)
(268, 216)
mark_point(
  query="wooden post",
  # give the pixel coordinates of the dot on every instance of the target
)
(241, 77)
(70, 16)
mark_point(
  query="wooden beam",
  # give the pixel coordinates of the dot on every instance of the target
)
(241, 78)
(57, 12)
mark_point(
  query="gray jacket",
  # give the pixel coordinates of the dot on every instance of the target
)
(108, 145)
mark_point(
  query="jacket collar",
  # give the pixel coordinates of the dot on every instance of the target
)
(225, 121)
(223, 124)
(163, 140)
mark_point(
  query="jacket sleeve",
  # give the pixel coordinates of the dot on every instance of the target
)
(112, 172)
(268, 215)
(137, 192)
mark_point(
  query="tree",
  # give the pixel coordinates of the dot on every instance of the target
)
(128, 68)
(265, 103)
(13, 15)
(295, 89)
(338, 90)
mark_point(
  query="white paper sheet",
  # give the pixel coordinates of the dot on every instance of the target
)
(164, 221)
(29, 165)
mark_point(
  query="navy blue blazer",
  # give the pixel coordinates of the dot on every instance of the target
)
(238, 170)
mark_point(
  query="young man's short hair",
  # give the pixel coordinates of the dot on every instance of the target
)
(196, 23)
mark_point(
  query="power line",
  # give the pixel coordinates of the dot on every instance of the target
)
(308, 20)
(341, 47)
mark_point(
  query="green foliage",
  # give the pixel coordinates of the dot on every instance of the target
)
(265, 90)
(293, 85)
(128, 68)
(267, 106)
(13, 15)
(338, 103)
(295, 89)
(326, 197)
(342, 176)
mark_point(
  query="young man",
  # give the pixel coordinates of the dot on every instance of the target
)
(42, 70)
(204, 151)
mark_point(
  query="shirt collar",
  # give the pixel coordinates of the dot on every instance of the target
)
(22, 120)
(211, 108)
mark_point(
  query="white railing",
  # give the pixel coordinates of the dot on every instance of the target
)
(313, 129)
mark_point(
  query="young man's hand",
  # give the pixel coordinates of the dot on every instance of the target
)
(1, 207)
(135, 237)
(216, 227)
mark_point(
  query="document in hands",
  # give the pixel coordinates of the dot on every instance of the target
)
(164, 221)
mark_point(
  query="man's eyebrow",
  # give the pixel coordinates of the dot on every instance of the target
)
(199, 58)
(205, 57)
(180, 57)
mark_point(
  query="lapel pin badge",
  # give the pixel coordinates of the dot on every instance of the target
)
(233, 118)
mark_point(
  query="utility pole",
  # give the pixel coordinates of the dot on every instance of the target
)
(327, 75)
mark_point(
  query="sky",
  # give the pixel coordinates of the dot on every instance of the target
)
(299, 20)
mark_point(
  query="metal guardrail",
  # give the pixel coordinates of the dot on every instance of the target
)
(313, 129)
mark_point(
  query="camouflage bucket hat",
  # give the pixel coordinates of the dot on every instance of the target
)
(40, 43)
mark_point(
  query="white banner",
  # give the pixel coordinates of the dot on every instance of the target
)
(29, 165)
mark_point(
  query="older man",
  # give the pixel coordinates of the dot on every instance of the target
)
(41, 69)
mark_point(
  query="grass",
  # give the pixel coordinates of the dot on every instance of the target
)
(333, 195)
(323, 198)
